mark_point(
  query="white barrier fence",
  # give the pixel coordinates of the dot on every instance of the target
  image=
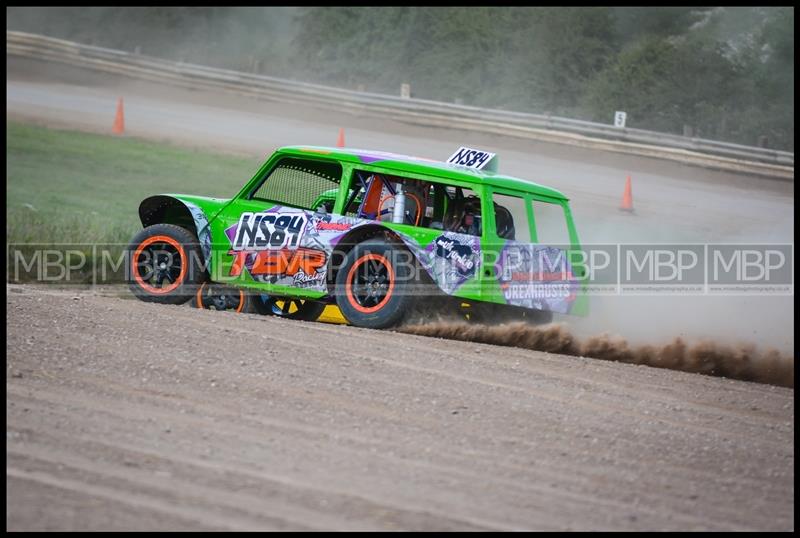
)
(695, 151)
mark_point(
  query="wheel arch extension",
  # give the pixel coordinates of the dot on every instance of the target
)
(162, 209)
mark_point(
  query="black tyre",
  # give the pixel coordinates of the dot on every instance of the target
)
(165, 264)
(374, 284)
(302, 309)
(212, 296)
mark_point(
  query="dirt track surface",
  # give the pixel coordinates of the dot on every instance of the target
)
(127, 415)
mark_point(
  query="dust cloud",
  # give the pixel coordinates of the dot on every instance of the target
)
(741, 361)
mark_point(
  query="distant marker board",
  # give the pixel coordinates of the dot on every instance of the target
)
(474, 158)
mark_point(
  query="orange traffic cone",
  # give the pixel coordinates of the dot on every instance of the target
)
(119, 121)
(340, 140)
(627, 197)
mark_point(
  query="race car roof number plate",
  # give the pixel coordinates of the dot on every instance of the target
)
(472, 158)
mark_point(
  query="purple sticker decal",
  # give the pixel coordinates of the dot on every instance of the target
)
(451, 259)
(231, 233)
(537, 277)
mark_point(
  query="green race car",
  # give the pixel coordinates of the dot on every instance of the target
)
(378, 234)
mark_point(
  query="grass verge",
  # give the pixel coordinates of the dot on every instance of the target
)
(74, 187)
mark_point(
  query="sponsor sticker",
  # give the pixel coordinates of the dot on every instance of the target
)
(536, 276)
(260, 231)
(471, 158)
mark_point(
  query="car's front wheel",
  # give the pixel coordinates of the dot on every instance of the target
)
(165, 264)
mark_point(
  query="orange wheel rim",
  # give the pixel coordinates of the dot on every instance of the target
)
(349, 293)
(199, 296)
(135, 266)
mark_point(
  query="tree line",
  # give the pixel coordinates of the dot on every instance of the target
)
(718, 73)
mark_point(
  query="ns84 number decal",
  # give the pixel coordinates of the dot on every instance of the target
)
(472, 158)
(262, 231)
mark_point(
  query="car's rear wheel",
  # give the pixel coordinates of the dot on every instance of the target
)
(373, 285)
(165, 264)
(302, 309)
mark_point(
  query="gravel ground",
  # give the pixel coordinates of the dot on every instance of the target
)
(127, 415)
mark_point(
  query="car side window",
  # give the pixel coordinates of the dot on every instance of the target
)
(300, 183)
(425, 204)
(551, 224)
(462, 212)
(511, 218)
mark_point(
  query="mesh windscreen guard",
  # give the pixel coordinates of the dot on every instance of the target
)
(299, 183)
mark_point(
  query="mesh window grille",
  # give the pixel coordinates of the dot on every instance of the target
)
(299, 183)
